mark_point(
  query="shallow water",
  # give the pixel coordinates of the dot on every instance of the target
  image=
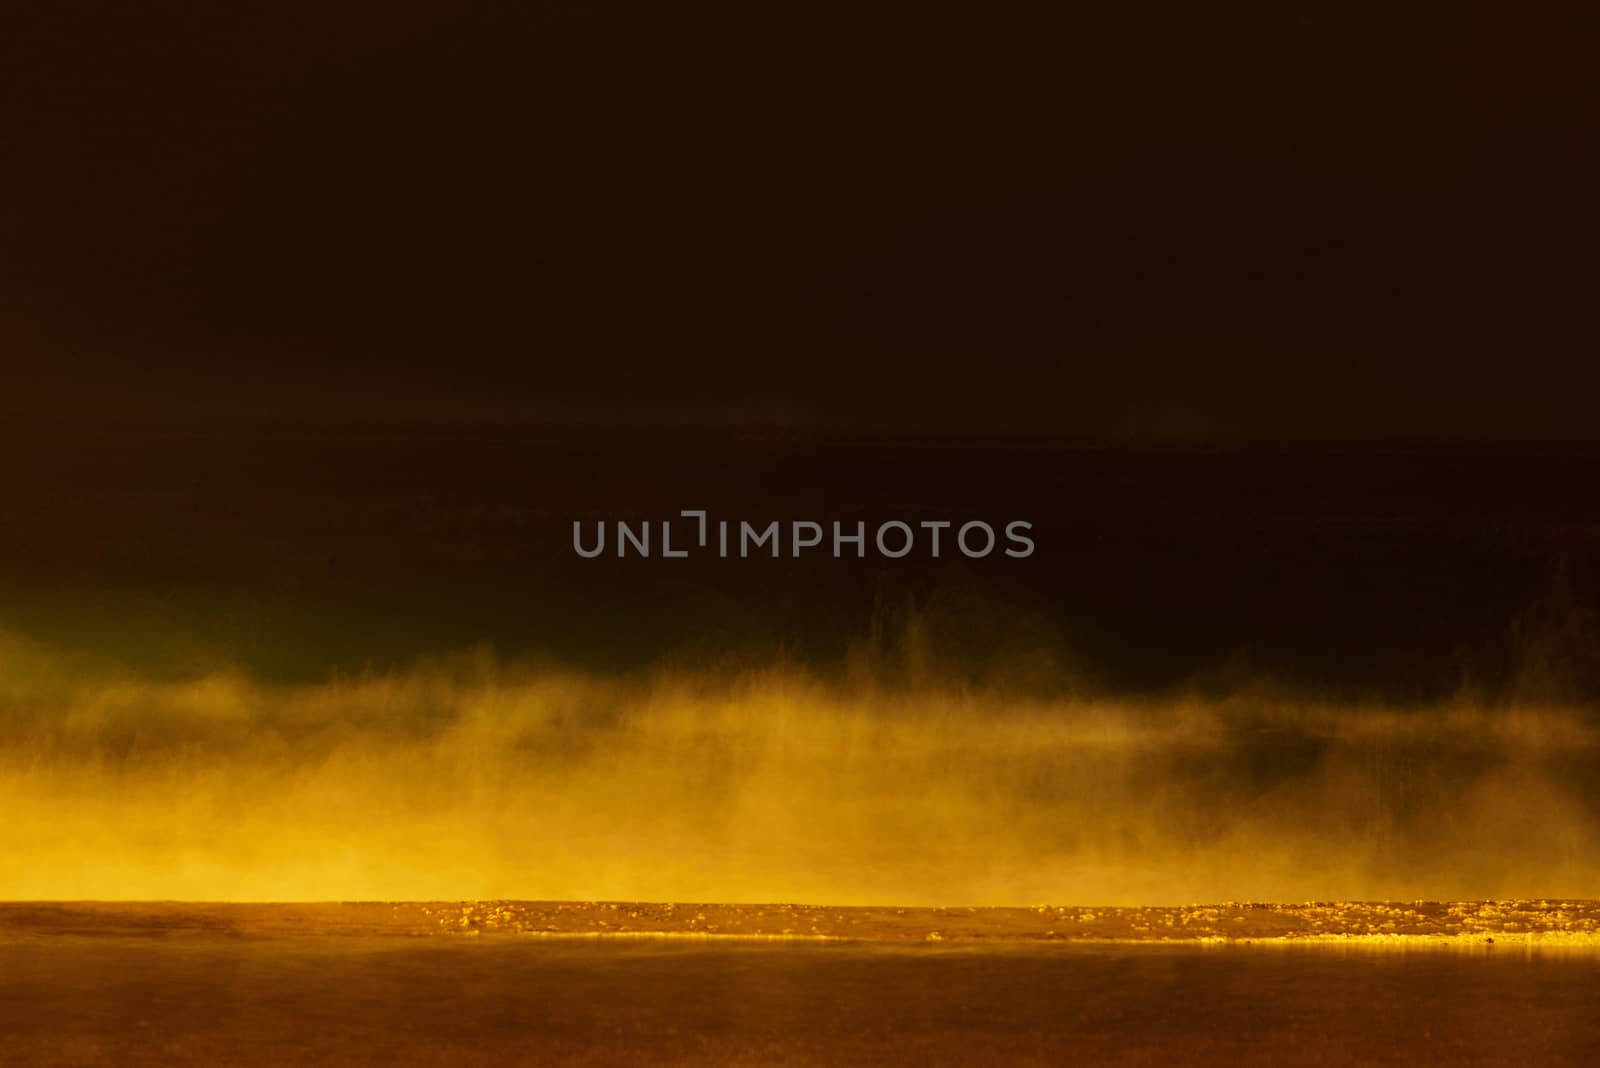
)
(241, 998)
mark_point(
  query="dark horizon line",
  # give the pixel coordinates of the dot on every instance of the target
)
(843, 433)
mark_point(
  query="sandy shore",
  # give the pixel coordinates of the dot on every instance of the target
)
(512, 983)
(1535, 922)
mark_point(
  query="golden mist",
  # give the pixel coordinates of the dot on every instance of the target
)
(468, 779)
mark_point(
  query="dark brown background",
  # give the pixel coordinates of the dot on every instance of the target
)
(321, 323)
(296, 551)
(1240, 221)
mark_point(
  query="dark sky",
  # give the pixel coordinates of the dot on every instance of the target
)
(1265, 220)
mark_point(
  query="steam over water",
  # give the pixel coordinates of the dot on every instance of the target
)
(465, 778)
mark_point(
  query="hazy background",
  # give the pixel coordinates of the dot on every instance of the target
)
(319, 327)
(296, 551)
(323, 664)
